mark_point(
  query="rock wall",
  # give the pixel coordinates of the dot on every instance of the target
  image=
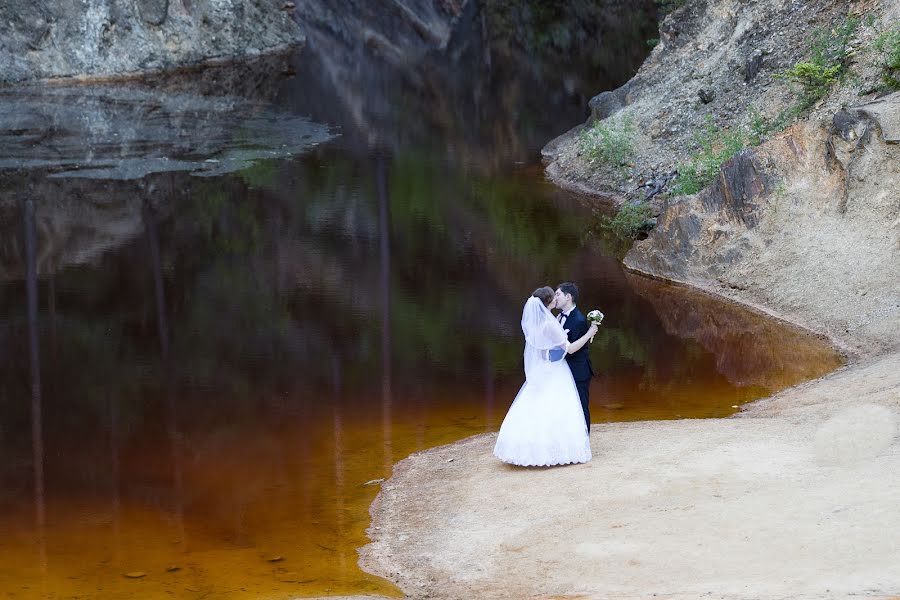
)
(101, 38)
(807, 224)
(718, 61)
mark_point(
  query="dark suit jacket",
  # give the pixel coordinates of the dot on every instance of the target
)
(579, 362)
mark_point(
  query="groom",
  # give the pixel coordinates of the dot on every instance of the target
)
(580, 361)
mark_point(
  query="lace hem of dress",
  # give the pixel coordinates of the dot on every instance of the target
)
(525, 456)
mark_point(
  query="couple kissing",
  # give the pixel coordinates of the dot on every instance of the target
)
(549, 420)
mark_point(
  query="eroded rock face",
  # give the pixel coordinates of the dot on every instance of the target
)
(153, 12)
(741, 182)
(718, 62)
(886, 113)
(808, 224)
(116, 37)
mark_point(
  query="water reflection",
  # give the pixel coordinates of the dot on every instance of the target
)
(733, 336)
(168, 368)
(34, 363)
(384, 247)
(76, 221)
(128, 132)
(224, 383)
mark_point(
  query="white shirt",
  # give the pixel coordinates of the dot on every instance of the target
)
(565, 315)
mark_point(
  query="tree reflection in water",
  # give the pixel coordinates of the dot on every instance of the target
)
(34, 363)
(228, 380)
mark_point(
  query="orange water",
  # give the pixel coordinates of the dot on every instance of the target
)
(274, 505)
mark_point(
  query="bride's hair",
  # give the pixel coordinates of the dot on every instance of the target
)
(545, 294)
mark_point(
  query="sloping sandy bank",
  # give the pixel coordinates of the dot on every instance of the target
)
(802, 505)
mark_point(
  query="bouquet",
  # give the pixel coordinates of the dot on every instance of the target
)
(595, 317)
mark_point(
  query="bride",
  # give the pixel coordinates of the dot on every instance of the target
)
(545, 424)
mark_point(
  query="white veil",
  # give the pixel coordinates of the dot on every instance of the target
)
(543, 335)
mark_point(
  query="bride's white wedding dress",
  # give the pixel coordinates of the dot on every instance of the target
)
(545, 424)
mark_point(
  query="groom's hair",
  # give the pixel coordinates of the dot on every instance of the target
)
(569, 288)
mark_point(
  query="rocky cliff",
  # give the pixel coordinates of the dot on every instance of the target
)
(805, 225)
(102, 38)
(719, 64)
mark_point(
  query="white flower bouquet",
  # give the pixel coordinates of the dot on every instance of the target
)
(595, 317)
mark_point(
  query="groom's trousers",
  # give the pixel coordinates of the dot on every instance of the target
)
(584, 392)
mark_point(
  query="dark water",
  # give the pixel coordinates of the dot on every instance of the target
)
(200, 374)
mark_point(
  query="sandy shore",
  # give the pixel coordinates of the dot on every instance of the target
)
(795, 498)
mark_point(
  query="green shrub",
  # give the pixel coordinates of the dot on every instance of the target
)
(814, 79)
(759, 128)
(888, 46)
(828, 57)
(714, 146)
(617, 232)
(832, 47)
(630, 220)
(610, 142)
